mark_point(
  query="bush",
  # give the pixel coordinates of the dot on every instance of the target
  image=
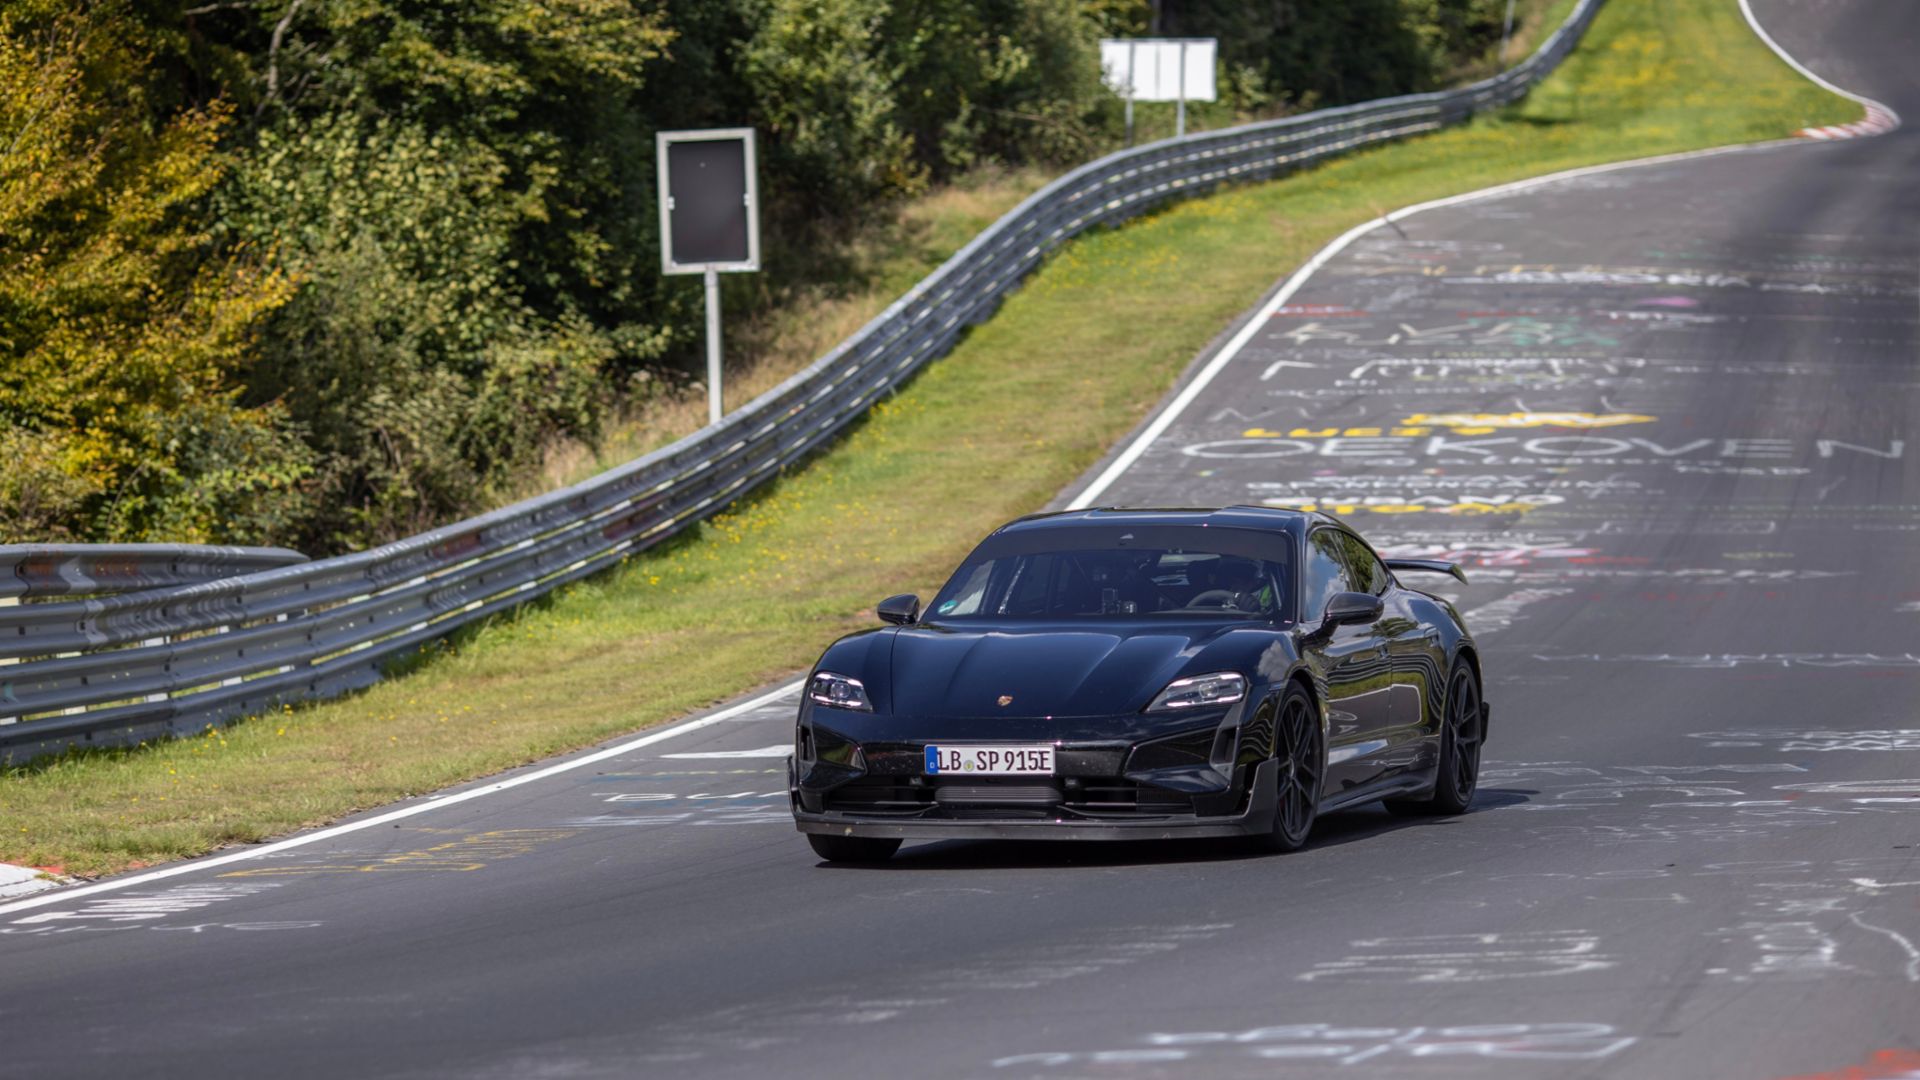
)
(822, 91)
(1312, 53)
(124, 332)
(1004, 81)
(411, 355)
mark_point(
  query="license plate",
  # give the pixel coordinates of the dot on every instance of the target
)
(990, 760)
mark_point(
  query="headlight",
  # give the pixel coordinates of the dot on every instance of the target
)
(1194, 691)
(840, 692)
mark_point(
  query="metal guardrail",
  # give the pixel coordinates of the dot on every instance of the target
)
(36, 571)
(113, 670)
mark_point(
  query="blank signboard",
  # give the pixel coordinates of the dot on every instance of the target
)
(1151, 69)
(707, 213)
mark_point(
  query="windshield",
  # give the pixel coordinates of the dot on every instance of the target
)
(1113, 583)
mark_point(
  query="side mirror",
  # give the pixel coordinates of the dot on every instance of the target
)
(902, 610)
(1353, 608)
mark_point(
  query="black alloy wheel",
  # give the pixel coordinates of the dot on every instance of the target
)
(852, 849)
(1457, 774)
(1300, 752)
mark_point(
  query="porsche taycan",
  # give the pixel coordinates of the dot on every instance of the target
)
(1118, 674)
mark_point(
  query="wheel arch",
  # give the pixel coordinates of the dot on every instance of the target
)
(1261, 737)
(1471, 656)
(1303, 676)
(1467, 652)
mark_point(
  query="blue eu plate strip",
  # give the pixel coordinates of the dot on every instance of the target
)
(933, 760)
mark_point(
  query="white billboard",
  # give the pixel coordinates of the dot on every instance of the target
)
(1154, 69)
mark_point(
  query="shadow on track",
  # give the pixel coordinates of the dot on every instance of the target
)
(1333, 830)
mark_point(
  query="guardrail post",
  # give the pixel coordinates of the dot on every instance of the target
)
(151, 643)
(8, 601)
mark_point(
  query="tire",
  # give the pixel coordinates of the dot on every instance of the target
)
(852, 849)
(1457, 775)
(1301, 751)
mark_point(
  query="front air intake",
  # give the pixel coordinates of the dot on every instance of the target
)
(1024, 795)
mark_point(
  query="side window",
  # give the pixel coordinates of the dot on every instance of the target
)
(1326, 573)
(967, 600)
(1372, 577)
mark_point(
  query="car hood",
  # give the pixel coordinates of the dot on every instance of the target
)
(1046, 670)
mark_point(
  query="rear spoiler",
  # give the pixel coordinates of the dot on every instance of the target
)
(1430, 566)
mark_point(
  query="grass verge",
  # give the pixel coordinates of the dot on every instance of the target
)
(1027, 402)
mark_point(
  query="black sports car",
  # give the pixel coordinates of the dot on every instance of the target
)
(1129, 674)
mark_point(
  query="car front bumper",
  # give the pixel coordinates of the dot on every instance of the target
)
(1255, 818)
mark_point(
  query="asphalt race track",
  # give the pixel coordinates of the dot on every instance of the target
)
(1664, 415)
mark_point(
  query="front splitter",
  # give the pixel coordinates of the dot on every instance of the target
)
(1257, 819)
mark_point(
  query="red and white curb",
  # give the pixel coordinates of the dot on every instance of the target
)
(1879, 121)
(18, 881)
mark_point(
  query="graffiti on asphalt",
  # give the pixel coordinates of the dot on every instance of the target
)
(1350, 1044)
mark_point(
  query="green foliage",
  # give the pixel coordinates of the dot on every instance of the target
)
(410, 353)
(461, 191)
(542, 95)
(123, 332)
(1310, 53)
(1004, 81)
(823, 91)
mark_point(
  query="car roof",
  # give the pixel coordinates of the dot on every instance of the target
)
(1264, 518)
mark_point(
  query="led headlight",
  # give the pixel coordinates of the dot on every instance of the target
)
(1195, 691)
(839, 692)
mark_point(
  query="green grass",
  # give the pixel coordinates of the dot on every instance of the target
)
(1027, 402)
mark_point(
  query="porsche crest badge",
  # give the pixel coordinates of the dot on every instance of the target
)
(1006, 700)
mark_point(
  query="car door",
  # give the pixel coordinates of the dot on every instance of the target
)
(1355, 663)
(1410, 651)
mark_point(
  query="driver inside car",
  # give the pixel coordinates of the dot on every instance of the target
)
(1228, 582)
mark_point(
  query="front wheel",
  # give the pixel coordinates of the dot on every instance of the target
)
(1302, 760)
(852, 849)
(1457, 774)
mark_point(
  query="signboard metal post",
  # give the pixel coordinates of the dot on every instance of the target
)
(1180, 116)
(714, 407)
(1160, 69)
(709, 220)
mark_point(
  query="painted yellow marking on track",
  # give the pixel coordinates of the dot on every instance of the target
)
(468, 853)
(1482, 423)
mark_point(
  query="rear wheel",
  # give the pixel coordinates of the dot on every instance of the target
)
(1301, 756)
(1461, 734)
(852, 849)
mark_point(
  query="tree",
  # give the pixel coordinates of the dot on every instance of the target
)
(464, 193)
(124, 330)
(823, 90)
(1007, 81)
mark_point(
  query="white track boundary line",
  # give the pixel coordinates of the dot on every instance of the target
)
(1247, 333)
(1867, 103)
(1083, 500)
(57, 896)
